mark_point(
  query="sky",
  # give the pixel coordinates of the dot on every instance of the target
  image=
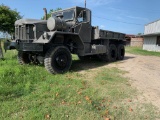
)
(125, 16)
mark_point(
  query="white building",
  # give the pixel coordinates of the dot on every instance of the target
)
(152, 36)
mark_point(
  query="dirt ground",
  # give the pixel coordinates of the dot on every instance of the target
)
(142, 71)
(144, 74)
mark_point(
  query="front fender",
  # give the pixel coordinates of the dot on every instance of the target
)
(49, 37)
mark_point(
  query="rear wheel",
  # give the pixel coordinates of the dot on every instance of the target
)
(111, 55)
(58, 60)
(121, 52)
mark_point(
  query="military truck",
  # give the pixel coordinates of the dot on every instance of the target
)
(67, 32)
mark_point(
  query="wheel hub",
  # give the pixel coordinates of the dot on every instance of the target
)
(61, 60)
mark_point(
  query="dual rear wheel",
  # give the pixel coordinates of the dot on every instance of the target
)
(120, 52)
(114, 53)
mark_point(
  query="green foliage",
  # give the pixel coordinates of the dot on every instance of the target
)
(30, 93)
(1, 51)
(7, 19)
(50, 13)
(140, 34)
(140, 51)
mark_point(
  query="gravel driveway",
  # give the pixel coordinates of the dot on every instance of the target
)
(144, 74)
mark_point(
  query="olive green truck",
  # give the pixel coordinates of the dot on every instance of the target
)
(66, 32)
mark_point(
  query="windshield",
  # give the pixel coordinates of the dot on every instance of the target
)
(66, 15)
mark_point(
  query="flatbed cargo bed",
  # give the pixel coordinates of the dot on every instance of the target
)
(106, 34)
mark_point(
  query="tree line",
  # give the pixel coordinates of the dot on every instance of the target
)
(8, 17)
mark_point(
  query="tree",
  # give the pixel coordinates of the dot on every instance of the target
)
(7, 19)
(140, 34)
(50, 13)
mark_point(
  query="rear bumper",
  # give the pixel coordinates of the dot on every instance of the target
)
(23, 46)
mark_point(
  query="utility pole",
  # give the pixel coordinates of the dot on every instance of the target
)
(85, 3)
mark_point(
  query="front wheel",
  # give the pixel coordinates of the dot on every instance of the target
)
(58, 60)
(27, 58)
(23, 58)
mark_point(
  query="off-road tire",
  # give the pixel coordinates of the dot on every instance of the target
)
(23, 58)
(103, 57)
(121, 52)
(58, 60)
(111, 55)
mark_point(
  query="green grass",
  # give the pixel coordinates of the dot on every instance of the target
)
(29, 92)
(140, 51)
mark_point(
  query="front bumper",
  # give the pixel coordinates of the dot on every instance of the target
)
(23, 46)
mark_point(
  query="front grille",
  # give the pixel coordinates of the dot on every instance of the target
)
(30, 32)
(24, 32)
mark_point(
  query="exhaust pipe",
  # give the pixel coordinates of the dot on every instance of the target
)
(45, 13)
